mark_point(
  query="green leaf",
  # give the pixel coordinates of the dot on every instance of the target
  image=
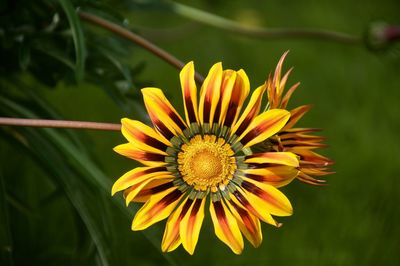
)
(78, 37)
(50, 143)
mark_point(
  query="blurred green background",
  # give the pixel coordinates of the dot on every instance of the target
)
(55, 203)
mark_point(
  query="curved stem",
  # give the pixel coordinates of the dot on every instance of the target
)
(138, 40)
(24, 122)
(273, 33)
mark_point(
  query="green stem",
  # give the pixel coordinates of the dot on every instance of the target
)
(260, 32)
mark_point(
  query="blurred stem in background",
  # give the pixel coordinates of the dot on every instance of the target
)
(259, 32)
(138, 40)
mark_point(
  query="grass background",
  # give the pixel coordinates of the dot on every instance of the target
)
(355, 93)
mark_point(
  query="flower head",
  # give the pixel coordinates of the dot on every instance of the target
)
(292, 139)
(208, 159)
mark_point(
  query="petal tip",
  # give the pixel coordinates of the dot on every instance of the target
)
(113, 190)
(136, 226)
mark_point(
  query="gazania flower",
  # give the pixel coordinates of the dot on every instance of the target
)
(206, 159)
(292, 139)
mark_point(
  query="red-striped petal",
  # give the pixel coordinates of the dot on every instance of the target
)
(153, 187)
(135, 176)
(157, 208)
(264, 126)
(276, 176)
(171, 239)
(226, 227)
(277, 203)
(143, 136)
(285, 158)
(251, 111)
(210, 94)
(165, 118)
(191, 224)
(147, 158)
(249, 224)
(189, 91)
(239, 93)
(256, 206)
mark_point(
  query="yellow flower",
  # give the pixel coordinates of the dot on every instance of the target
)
(207, 157)
(291, 139)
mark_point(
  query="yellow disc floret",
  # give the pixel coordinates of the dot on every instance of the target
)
(206, 162)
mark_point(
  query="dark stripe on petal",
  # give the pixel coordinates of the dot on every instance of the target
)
(207, 109)
(189, 107)
(239, 196)
(160, 188)
(196, 207)
(154, 142)
(218, 110)
(246, 122)
(260, 193)
(177, 120)
(162, 128)
(146, 156)
(146, 192)
(170, 112)
(140, 136)
(168, 199)
(230, 115)
(255, 177)
(245, 216)
(219, 211)
(259, 129)
(185, 208)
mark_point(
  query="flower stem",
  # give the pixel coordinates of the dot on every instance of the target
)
(115, 28)
(8, 121)
(260, 32)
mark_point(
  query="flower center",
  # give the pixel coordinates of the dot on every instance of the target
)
(206, 163)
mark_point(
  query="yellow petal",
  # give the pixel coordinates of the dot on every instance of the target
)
(285, 158)
(248, 223)
(209, 94)
(189, 91)
(136, 176)
(171, 238)
(191, 225)
(239, 93)
(157, 208)
(251, 111)
(144, 137)
(131, 151)
(134, 191)
(153, 187)
(226, 227)
(255, 205)
(228, 82)
(275, 202)
(264, 126)
(163, 115)
(277, 176)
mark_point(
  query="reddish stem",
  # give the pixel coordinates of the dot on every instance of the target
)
(8, 121)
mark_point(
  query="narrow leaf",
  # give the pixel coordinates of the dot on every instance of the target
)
(78, 37)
